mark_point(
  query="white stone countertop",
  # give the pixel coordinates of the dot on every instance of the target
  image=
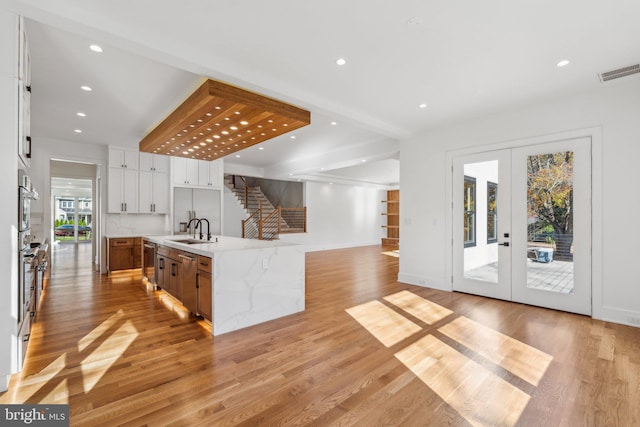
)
(209, 248)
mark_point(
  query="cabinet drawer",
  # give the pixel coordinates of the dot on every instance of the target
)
(204, 263)
(121, 242)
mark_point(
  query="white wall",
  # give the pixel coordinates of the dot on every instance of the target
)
(233, 214)
(482, 253)
(340, 216)
(613, 108)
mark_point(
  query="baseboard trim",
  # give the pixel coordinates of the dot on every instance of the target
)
(616, 315)
(425, 282)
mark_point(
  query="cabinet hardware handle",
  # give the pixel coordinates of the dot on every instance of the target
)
(32, 313)
(503, 244)
(28, 153)
(26, 337)
(28, 88)
(186, 257)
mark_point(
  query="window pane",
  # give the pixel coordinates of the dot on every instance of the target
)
(492, 212)
(550, 225)
(469, 211)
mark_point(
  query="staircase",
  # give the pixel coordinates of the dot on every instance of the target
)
(256, 200)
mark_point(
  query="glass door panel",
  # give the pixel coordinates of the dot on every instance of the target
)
(481, 264)
(552, 223)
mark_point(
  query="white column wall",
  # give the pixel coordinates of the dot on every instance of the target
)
(340, 216)
(612, 108)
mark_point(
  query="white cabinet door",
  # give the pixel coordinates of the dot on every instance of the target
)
(146, 161)
(160, 193)
(130, 191)
(160, 163)
(153, 162)
(208, 173)
(185, 171)
(122, 191)
(114, 190)
(146, 190)
(123, 158)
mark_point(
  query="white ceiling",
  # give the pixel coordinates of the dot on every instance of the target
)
(462, 58)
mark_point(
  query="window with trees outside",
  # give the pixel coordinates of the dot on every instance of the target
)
(469, 211)
(492, 212)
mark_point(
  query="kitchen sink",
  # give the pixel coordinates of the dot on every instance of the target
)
(190, 241)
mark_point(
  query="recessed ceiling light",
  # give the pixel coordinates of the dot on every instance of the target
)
(95, 48)
(341, 61)
(423, 105)
(363, 160)
(81, 114)
(86, 88)
(244, 122)
(237, 156)
(293, 137)
(77, 130)
(334, 123)
(563, 63)
(260, 148)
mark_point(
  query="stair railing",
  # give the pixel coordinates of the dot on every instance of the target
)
(270, 225)
(295, 218)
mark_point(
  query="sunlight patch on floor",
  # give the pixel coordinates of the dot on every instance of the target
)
(98, 331)
(96, 364)
(383, 323)
(477, 394)
(420, 308)
(33, 383)
(520, 359)
(481, 396)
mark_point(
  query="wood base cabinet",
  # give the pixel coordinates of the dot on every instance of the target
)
(205, 288)
(187, 277)
(124, 253)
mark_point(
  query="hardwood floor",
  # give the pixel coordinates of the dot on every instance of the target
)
(367, 351)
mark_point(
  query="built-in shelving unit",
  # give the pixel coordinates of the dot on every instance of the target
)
(393, 220)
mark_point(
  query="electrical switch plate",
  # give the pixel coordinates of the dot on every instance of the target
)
(265, 263)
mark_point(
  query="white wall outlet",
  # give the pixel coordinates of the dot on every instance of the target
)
(265, 263)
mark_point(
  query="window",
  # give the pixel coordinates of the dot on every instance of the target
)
(469, 211)
(492, 212)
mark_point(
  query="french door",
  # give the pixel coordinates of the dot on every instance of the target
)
(522, 224)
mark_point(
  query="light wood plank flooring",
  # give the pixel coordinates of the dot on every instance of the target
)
(367, 351)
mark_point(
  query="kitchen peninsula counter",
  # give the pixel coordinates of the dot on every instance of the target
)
(253, 281)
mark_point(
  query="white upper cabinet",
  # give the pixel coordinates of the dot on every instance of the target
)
(123, 158)
(154, 192)
(122, 191)
(185, 171)
(154, 162)
(209, 173)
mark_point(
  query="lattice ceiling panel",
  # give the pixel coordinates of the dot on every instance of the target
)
(218, 119)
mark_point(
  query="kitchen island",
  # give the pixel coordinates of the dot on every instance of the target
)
(253, 281)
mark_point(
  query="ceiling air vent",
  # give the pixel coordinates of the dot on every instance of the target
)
(620, 72)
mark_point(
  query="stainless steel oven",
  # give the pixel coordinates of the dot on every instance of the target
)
(28, 272)
(25, 195)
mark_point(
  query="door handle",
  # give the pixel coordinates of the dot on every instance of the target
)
(504, 244)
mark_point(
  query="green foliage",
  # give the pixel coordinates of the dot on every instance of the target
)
(550, 194)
